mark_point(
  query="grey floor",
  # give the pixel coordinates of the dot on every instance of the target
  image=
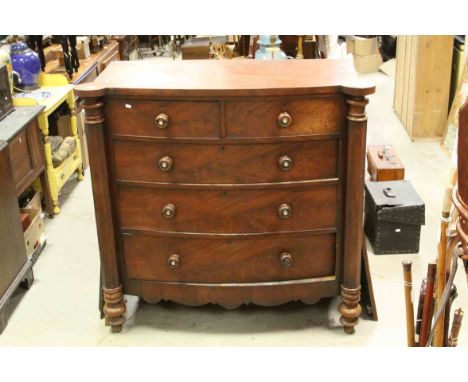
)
(61, 307)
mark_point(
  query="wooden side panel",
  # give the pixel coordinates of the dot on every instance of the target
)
(399, 72)
(432, 85)
(12, 248)
(422, 83)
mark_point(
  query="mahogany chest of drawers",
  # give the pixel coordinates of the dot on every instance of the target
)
(228, 182)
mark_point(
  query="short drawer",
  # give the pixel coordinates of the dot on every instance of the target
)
(228, 211)
(164, 119)
(210, 163)
(284, 118)
(189, 260)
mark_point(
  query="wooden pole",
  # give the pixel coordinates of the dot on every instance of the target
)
(407, 276)
(457, 320)
(428, 297)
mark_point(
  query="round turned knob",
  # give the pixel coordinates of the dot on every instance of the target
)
(169, 211)
(166, 163)
(284, 119)
(162, 120)
(285, 163)
(285, 259)
(284, 211)
(173, 261)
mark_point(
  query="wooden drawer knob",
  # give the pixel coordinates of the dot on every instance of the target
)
(284, 119)
(285, 163)
(165, 163)
(173, 261)
(284, 211)
(169, 211)
(286, 259)
(162, 120)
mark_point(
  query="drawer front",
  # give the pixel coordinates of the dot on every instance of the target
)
(184, 119)
(247, 119)
(21, 158)
(251, 163)
(228, 211)
(229, 261)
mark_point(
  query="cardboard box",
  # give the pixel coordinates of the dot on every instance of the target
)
(362, 46)
(33, 234)
(367, 64)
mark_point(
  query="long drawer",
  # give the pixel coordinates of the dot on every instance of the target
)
(209, 163)
(228, 210)
(284, 117)
(163, 119)
(189, 260)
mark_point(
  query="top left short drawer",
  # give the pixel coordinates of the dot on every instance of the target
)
(163, 119)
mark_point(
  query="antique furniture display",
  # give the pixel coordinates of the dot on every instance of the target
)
(21, 130)
(19, 162)
(90, 67)
(54, 91)
(228, 182)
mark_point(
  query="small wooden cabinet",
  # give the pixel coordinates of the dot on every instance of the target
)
(228, 182)
(21, 162)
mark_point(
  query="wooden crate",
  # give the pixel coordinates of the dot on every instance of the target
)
(422, 84)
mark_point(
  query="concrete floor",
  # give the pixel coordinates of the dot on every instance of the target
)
(61, 307)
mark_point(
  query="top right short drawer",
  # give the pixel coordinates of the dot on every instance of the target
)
(287, 117)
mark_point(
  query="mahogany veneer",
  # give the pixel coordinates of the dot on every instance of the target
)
(228, 182)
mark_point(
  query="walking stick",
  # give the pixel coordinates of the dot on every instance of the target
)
(407, 276)
(457, 320)
(442, 257)
(428, 298)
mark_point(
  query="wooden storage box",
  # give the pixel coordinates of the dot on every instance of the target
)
(394, 214)
(33, 234)
(383, 163)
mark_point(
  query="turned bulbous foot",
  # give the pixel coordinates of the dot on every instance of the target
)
(114, 308)
(350, 309)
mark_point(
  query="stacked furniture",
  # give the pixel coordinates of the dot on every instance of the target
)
(228, 182)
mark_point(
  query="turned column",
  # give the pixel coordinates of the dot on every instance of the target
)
(114, 306)
(350, 309)
(74, 128)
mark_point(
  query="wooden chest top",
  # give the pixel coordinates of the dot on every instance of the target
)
(227, 78)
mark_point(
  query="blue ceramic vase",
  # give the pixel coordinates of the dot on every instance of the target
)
(26, 66)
